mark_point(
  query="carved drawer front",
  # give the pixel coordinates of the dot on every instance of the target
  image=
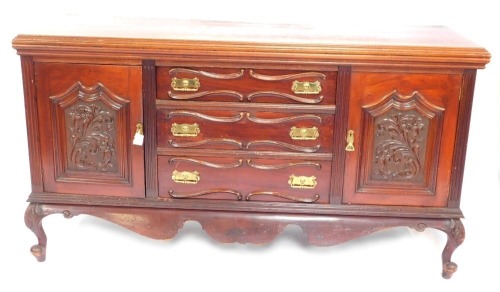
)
(239, 130)
(246, 85)
(244, 179)
(403, 136)
(88, 117)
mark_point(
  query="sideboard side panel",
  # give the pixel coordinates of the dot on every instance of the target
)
(32, 123)
(464, 114)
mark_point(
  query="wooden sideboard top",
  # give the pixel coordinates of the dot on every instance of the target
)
(132, 40)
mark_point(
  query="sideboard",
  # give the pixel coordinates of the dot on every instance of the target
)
(247, 128)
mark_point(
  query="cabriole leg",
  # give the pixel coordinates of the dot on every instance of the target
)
(456, 235)
(33, 219)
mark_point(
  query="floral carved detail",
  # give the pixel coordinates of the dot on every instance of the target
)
(92, 145)
(401, 133)
(399, 153)
(91, 124)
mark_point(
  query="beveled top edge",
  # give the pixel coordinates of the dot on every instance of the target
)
(148, 37)
(225, 31)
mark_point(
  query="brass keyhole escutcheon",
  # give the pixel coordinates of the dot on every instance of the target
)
(350, 141)
(139, 129)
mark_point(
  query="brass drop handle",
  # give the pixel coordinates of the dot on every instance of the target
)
(139, 135)
(350, 141)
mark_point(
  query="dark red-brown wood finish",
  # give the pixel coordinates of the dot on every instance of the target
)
(343, 136)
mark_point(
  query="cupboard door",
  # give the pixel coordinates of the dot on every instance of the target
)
(88, 117)
(403, 131)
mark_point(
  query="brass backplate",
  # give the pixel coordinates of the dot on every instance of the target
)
(304, 133)
(185, 130)
(302, 182)
(185, 84)
(306, 87)
(185, 177)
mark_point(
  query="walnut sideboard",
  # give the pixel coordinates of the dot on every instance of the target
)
(247, 128)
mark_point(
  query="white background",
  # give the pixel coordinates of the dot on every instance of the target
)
(87, 254)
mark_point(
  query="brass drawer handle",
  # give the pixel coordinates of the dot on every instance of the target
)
(185, 130)
(185, 84)
(350, 141)
(185, 177)
(306, 87)
(302, 182)
(304, 133)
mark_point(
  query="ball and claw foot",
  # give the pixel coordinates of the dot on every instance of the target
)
(449, 269)
(39, 252)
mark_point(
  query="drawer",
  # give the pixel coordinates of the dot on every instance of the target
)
(252, 131)
(246, 85)
(244, 179)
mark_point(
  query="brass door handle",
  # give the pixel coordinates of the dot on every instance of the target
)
(306, 87)
(350, 141)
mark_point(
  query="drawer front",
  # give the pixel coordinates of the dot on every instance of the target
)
(244, 179)
(253, 131)
(246, 85)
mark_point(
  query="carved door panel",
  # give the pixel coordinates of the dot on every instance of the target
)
(404, 134)
(88, 116)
